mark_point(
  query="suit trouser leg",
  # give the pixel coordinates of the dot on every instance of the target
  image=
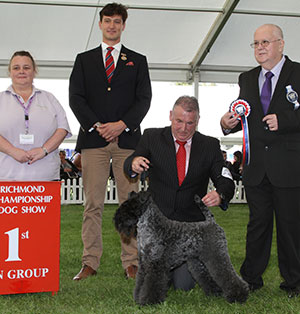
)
(287, 213)
(263, 200)
(182, 278)
(259, 232)
(95, 172)
(129, 255)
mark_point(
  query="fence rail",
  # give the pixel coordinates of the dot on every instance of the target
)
(72, 192)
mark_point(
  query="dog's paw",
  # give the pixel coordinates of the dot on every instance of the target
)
(240, 295)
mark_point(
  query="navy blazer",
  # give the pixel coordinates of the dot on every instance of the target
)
(206, 161)
(273, 153)
(127, 97)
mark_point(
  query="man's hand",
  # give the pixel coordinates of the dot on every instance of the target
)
(140, 164)
(271, 121)
(111, 130)
(229, 121)
(212, 199)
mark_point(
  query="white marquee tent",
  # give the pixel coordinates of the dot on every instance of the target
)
(190, 40)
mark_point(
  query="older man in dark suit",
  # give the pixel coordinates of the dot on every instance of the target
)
(110, 94)
(272, 178)
(159, 152)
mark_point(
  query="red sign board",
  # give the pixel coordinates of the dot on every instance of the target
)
(29, 237)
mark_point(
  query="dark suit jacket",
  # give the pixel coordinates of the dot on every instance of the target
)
(206, 161)
(275, 154)
(93, 99)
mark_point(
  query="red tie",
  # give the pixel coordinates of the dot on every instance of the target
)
(180, 160)
(109, 64)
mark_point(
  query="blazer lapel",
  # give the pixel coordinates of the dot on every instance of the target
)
(256, 92)
(169, 152)
(194, 157)
(123, 59)
(282, 80)
(99, 63)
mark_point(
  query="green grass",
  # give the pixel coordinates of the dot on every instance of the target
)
(109, 292)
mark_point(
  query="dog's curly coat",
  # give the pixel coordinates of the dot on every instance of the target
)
(164, 244)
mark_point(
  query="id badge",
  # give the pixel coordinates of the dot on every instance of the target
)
(26, 139)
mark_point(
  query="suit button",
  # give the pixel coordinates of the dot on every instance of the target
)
(266, 148)
(266, 127)
(108, 89)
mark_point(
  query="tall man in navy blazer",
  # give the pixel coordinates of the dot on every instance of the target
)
(272, 179)
(204, 160)
(110, 112)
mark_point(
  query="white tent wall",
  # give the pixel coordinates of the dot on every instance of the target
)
(179, 38)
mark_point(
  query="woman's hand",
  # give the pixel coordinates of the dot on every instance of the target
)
(19, 155)
(35, 154)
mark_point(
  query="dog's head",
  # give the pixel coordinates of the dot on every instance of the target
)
(128, 214)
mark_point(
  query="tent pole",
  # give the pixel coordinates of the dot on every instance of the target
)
(196, 84)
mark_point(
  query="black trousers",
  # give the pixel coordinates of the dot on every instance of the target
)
(182, 279)
(264, 201)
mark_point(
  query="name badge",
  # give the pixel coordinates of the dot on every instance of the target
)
(26, 139)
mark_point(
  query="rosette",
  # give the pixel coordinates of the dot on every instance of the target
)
(292, 96)
(241, 109)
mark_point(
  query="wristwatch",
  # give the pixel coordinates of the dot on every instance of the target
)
(45, 150)
(96, 125)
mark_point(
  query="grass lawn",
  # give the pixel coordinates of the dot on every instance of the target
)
(109, 292)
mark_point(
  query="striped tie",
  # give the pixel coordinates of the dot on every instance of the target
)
(109, 64)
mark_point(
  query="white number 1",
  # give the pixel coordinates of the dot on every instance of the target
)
(13, 245)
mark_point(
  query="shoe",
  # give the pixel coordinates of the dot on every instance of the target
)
(130, 271)
(292, 291)
(85, 271)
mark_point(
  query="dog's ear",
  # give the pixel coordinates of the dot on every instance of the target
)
(198, 201)
(132, 193)
(144, 196)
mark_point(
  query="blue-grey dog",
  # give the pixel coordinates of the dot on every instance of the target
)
(164, 244)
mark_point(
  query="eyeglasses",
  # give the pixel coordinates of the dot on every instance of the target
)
(263, 43)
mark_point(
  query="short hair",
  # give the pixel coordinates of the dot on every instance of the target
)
(188, 103)
(114, 9)
(23, 53)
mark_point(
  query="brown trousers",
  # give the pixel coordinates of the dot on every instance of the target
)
(95, 173)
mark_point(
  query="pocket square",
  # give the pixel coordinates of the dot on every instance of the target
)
(130, 63)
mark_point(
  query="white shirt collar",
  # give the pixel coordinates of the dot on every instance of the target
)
(189, 141)
(117, 46)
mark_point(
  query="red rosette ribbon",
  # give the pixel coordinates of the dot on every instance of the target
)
(241, 109)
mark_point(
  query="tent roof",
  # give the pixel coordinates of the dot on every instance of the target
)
(179, 38)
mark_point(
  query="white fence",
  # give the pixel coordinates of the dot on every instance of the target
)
(72, 192)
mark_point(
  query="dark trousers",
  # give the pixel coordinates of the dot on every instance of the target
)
(264, 201)
(182, 279)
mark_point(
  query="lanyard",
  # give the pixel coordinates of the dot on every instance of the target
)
(26, 111)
